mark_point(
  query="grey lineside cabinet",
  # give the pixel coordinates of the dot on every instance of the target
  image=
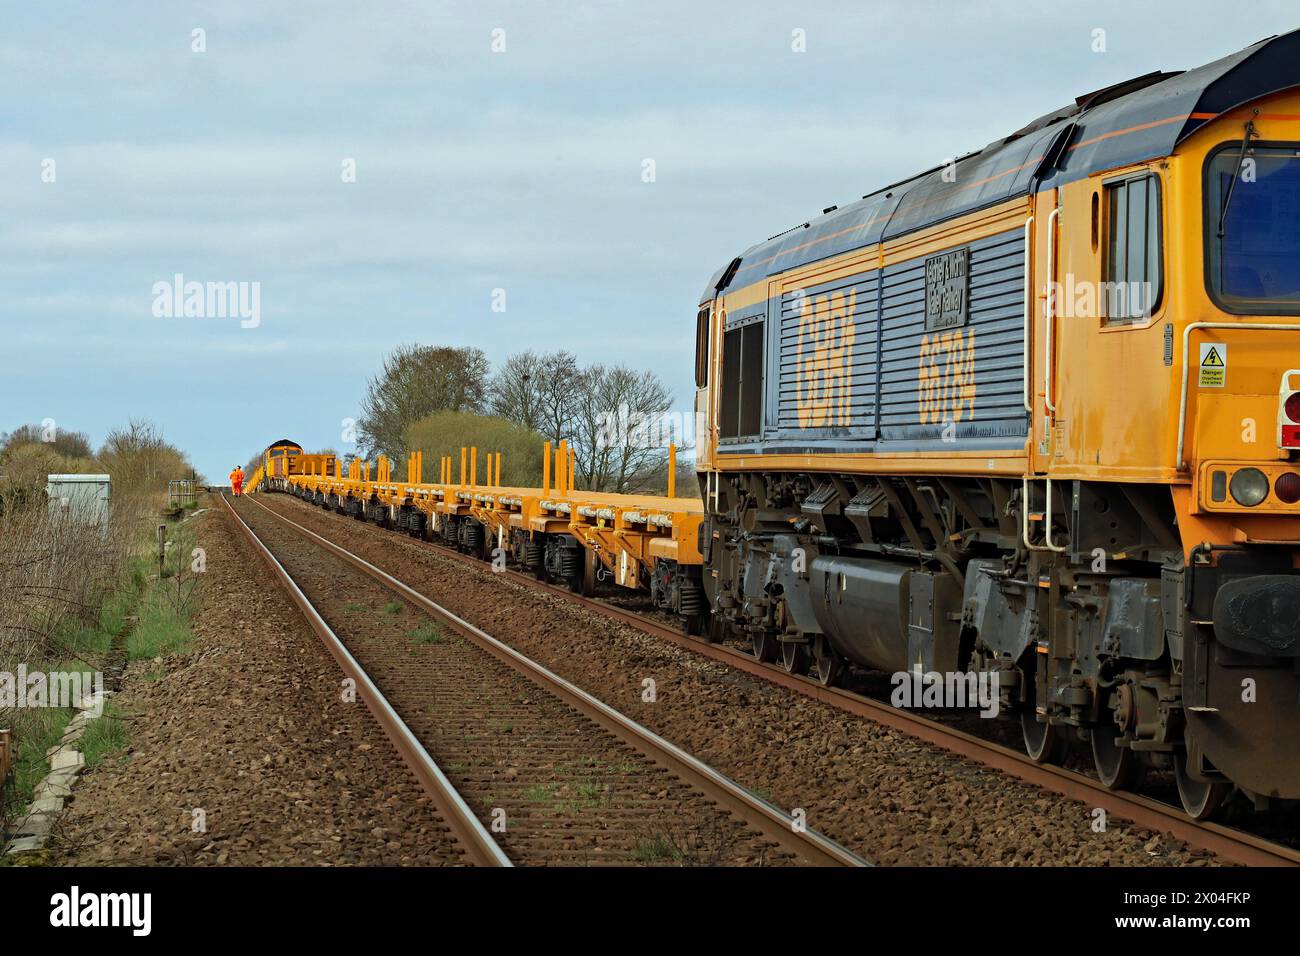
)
(81, 498)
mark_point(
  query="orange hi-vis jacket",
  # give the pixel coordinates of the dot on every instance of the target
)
(237, 477)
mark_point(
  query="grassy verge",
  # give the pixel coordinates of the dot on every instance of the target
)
(165, 606)
(103, 736)
(41, 729)
(147, 617)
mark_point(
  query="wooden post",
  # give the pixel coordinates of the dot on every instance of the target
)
(162, 548)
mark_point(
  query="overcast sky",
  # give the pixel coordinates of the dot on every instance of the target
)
(476, 170)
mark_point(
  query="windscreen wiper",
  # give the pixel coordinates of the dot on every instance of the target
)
(1236, 173)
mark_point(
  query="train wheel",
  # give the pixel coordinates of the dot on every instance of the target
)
(827, 666)
(693, 625)
(794, 657)
(764, 644)
(1118, 768)
(1202, 799)
(1044, 742)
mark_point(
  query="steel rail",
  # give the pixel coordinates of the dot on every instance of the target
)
(788, 832)
(1233, 845)
(460, 819)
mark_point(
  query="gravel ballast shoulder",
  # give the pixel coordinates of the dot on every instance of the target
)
(249, 734)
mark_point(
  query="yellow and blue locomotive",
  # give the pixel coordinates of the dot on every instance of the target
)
(1035, 414)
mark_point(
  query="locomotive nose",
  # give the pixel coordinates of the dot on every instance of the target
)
(1260, 615)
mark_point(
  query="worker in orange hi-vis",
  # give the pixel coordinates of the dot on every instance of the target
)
(237, 481)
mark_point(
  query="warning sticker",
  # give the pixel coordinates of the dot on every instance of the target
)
(1214, 365)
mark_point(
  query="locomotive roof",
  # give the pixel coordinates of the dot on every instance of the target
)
(1130, 122)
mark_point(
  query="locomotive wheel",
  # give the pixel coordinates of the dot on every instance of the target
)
(764, 644)
(1118, 768)
(693, 625)
(794, 657)
(827, 666)
(1202, 799)
(1044, 742)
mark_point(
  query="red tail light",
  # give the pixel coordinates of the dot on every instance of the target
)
(1287, 487)
(1292, 407)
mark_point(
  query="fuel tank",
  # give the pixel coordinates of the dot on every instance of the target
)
(887, 615)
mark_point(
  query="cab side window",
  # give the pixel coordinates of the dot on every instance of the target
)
(1133, 272)
(702, 348)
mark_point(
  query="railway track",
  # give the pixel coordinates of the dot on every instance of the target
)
(532, 769)
(1231, 844)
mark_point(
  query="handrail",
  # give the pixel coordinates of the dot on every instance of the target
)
(1047, 544)
(1187, 344)
(1050, 317)
(1029, 310)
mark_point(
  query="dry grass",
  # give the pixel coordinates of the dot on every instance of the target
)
(56, 572)
(60, 583)
(67, 588)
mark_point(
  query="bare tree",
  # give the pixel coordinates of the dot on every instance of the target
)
(619, 433)
(62, 442)
(539, 392)
(416, 381)
(515, 391)
(138, 455)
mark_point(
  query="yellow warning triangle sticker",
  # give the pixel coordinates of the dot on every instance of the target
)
(1212, 358)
